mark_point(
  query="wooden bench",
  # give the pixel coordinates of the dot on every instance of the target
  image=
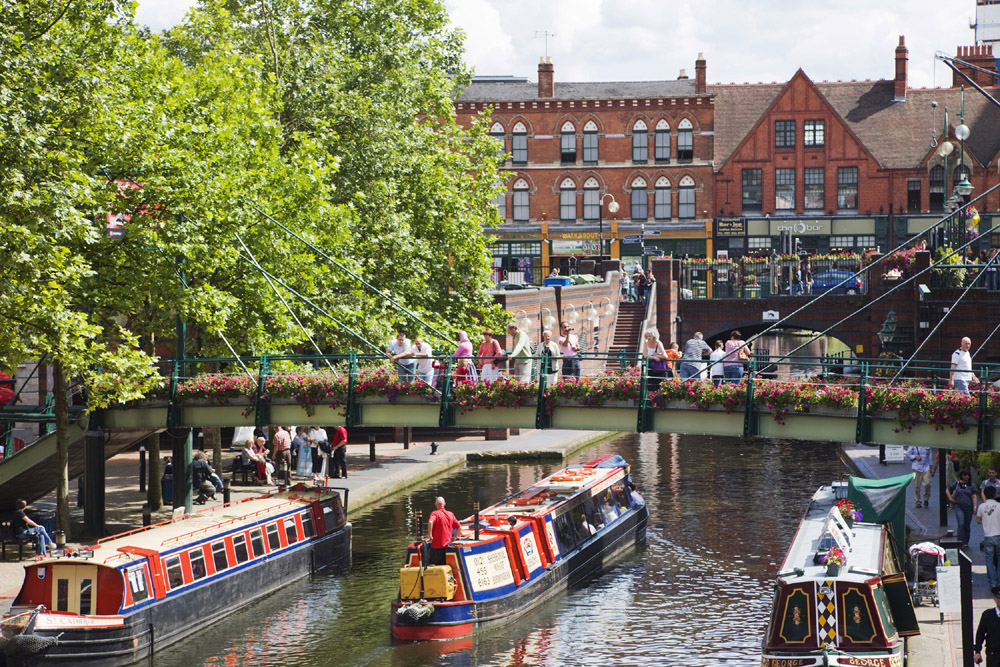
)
(8, 535)
(247, 473)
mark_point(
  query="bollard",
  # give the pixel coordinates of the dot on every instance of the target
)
(371, 448)
(475, 510)
(147, 514)
(406, 437)
(227, 493)
(142, 468)
(434, 448)
(284, 472)
(60, 538)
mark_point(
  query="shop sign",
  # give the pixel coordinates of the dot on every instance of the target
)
(730, 226)
(800, 227)
(512, 236)
(575, 235)
(580, 247)
(650, 250)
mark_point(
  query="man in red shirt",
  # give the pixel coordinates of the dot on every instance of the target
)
(339, 452)
(283, 449)
(442, 526)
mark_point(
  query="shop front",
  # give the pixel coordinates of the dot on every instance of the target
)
(756, 236)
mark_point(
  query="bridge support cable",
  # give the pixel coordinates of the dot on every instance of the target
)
(287, 307)
(866, 269)
(879, 298)
(441, 336)
(938, 325)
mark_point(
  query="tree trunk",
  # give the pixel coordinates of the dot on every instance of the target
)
(62, 449)
(215, 434)
(154, 492)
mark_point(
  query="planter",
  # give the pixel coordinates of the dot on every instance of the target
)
(523, 417)
(398, 400)
(604, 418)
(293, 413)
(216, 415)
(800, 426)
(833, 570)
(385, 414)
(826, 411)
(136, 417)
(694, 422)
(567, 403)
(884, 431)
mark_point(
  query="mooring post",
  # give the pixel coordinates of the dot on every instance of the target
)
(142, 468)
(371, 447)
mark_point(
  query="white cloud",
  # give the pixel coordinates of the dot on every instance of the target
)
(162, 14)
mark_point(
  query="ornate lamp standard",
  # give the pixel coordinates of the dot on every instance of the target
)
(612, 208)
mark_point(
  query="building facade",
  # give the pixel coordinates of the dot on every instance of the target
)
(575, 148)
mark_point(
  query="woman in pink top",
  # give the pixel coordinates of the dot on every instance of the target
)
(489, 354)
(464, 351)
(736, 352)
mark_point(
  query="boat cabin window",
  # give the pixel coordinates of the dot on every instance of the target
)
(273, 541)
(565, 533)
(62, 594)
(257, 542)
(333, 513)
(175, 576)
(607, 504)
(137, 583)
(621, 496)
(197, 557)
(581, 527)
(86, 595)
(240, 547)
(307, 524)
(594, 517)
(219, 556)
(290, 531)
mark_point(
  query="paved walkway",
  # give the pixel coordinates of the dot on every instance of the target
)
(940, 641)
(394, 470)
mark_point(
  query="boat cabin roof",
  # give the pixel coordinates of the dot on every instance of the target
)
(199, 526)
(823, 527)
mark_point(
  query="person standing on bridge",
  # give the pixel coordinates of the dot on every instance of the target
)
(736, 354)
(520, 352)
(398, 351)
(922, 466)
(569, 347)
(694, 350)
(961, 367)
(489, 355)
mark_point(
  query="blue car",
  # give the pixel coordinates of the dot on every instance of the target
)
(827, 280)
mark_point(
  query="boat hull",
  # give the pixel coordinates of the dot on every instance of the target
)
(451, 620)
(167, 621)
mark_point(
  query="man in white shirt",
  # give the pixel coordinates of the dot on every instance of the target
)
(569, 347)
(961, 367)
(398, 350)
(421, 352)
(988, 514)
(317, 438)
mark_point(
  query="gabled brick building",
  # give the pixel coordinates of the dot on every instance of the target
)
(575, 146)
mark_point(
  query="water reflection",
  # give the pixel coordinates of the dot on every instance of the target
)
(722, 512)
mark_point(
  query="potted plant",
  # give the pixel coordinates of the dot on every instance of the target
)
(834, 559)
(848, 512)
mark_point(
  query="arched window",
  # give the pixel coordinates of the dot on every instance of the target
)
(662, 143)
(685, 199)
(519, 144)
(661, 199)
(567, 200)
(685, 141)
(590, 152)
(591, 199)
(640, 142)
(640, 199)
(522, 207)
(937, 189)
(499, 136)
(567, 142)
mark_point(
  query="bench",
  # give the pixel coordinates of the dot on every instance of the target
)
(9, 536)
(248, 473)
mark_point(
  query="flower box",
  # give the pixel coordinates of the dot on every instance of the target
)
(827, 411)
(889, 431)
(139, 417)
(386, 414)
(522, 417)
(217, 415)
(604, 418)
(693, 422)
(399, 399)
(802, 426)
(295, 414)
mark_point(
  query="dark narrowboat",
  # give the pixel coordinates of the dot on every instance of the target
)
(132, 594)
(524, 550)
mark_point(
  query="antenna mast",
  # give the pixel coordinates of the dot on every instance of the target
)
(545, 34)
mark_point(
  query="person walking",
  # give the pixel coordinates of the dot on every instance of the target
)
(989, 632)
(716, 370)
(736, 354)
(990, 480)
(962, 495)
(552, 367)
(25, 527)
(694, 350)
(961, 367)
(442, 526)
(339, 446)
(569, 348)
(520, 352)
(624, 285)
(922, 465)
(639, 282)
(398, 351)
(988, 514)
(489, 355)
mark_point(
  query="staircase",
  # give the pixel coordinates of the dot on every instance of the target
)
(628, 329)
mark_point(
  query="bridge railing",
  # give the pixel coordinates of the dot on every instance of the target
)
(763, 277)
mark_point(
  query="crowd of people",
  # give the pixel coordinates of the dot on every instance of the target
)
(726, 362)
(637, 286)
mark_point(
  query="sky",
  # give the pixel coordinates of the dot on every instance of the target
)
(743, 41)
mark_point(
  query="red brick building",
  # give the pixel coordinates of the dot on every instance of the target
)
(847, 165)
(576, 147)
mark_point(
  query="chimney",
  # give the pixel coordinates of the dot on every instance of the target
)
(699, 75)
(899, 89)
(683, 75)
(979, 56)
(546, 73)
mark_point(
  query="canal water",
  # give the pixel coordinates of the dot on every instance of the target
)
(722, 512)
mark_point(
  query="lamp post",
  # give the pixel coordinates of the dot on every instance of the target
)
(612, 208)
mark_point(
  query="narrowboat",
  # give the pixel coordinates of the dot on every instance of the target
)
(521, 552)
(129, 595)
(841, 596)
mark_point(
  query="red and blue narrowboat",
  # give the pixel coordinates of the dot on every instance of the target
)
(130, 595)
(523, 551)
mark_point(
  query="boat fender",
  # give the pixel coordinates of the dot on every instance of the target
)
(25, 645)
(415, 612)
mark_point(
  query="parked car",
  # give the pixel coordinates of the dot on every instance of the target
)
(827, 280)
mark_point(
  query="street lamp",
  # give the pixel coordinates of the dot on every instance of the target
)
(888, 331)
(612, 208)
